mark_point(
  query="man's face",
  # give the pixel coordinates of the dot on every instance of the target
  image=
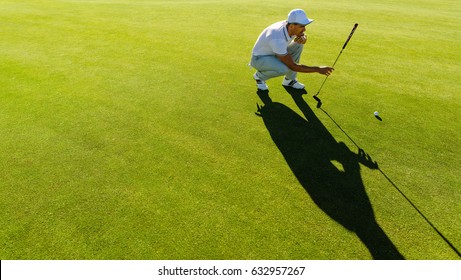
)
(301, 29)
(298, 30)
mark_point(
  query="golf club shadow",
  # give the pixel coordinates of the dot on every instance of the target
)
(328, 171)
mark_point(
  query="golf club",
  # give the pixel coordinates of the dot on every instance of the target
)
(319, 102)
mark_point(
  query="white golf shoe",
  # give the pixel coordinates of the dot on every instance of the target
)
(292, 83)
(260, 83)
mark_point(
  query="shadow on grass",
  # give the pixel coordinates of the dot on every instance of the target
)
(327, 169)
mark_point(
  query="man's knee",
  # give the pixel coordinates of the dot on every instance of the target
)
(282, 70)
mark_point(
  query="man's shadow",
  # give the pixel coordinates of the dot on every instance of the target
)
(327, 169)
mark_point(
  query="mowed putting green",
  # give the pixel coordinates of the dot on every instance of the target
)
(128, 131)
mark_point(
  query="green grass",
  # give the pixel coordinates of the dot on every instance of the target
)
(127, 129)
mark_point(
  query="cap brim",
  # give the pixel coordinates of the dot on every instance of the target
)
(306, 22)
(309, 21)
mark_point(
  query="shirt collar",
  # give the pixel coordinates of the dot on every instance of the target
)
(285, 31)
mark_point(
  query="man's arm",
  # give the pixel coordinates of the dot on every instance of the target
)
(289, 62)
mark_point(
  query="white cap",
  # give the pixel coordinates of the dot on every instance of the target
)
(298, 16)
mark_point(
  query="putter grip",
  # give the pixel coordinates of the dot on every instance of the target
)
(350, 35)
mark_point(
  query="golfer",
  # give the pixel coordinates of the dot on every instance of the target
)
(278, 49)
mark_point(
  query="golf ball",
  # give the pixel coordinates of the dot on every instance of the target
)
(376, 113)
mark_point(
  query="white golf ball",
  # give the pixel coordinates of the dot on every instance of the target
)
(376, 113)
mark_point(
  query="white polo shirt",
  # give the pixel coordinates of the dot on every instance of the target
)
(273, 40)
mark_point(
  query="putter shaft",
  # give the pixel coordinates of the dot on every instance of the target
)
(334, 63)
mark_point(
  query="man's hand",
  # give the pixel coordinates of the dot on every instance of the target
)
(325, 70)
(301, 39)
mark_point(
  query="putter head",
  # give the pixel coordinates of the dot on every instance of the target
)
(319, 102)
